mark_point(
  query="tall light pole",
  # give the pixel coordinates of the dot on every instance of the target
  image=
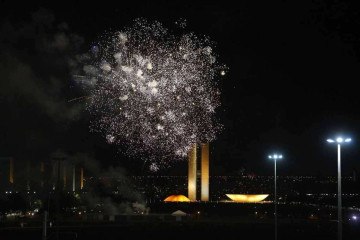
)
(275, 157)
(339, 141)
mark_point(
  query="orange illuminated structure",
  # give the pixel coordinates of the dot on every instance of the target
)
(247, 198)
(192, 174)
(205, 172)
(176, 198)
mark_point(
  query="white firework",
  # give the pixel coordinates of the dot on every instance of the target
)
(154, 91)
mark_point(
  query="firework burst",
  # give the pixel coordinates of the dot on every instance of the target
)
(153, 91)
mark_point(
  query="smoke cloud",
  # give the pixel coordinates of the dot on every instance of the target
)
(109, 188)
(35, 85)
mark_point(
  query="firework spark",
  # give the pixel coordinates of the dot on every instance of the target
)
(154, 91)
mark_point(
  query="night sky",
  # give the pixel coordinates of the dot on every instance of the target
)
(292, 80)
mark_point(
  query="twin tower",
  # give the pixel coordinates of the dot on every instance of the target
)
(193, 173)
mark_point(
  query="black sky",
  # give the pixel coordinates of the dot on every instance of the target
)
(292, 80)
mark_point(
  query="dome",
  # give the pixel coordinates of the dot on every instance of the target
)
(176, 198)
(247, 198)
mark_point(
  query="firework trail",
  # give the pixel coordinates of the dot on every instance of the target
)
(153, 91)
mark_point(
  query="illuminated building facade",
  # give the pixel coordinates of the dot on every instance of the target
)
(204, 174)
(192, 174)
(24, 175)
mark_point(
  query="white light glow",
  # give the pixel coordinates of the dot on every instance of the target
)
(275, 156)
(339, 139)
(348, 140)
(154, 91)
(330, 140)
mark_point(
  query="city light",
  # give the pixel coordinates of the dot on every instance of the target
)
(275, 157)
(339, 141)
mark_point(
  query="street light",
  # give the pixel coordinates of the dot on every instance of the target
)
(339, 141)
(275, 157)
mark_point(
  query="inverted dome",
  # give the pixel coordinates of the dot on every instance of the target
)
(176, 198)
(247, 198)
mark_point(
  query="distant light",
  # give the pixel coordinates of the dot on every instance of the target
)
(222, 73)
(354, 217)
(275, 156)
(330, 140)
(339, 139)
(280, 156)
(348, 140)
(270, 156)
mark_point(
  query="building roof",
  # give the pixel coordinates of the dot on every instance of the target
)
(177, 198)
(247, 198)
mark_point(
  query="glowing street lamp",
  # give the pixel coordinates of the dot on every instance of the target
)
(339, 141)
(275, 157)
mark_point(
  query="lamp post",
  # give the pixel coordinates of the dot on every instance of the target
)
(275, 157)
(339, 141)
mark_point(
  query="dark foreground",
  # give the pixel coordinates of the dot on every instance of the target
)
(199, 229)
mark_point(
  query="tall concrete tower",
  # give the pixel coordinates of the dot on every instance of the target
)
(205, 172)
(192, 174)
